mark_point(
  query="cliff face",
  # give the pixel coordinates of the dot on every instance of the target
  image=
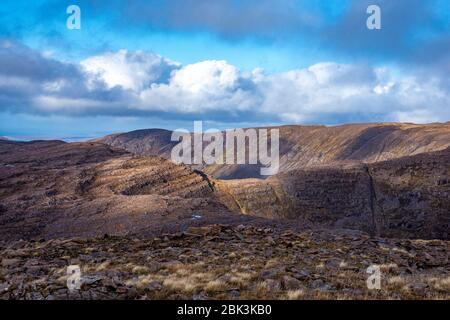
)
(412, 195)
(311, 146)
(327, 197)
(407, 197)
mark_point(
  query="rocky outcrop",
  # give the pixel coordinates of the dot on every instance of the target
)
(226, 262)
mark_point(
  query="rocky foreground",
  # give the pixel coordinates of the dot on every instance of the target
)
(224, 262)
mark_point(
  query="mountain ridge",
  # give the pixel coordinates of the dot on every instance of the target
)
(309, 146)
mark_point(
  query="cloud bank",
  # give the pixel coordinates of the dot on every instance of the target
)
(125, 83)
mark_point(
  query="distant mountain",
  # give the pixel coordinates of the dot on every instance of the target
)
(149, 142)
(310, 146)
(3, 138)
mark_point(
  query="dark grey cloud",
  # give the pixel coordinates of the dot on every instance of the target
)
(26, 74)
(228, 18)
(408, 26)
(17, 60)
(413, 31)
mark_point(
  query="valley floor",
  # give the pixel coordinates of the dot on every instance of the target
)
(225, 262)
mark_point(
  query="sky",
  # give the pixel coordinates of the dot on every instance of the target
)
(165, 63)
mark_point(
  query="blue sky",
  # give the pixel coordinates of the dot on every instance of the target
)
(138, 64)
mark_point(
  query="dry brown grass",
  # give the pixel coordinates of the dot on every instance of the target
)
(185, 285)
(215, 286)
(294, 294)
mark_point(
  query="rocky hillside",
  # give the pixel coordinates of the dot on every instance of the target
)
(52, 189)
(311, 146)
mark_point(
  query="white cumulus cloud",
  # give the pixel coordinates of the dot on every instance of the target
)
(130, 70)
